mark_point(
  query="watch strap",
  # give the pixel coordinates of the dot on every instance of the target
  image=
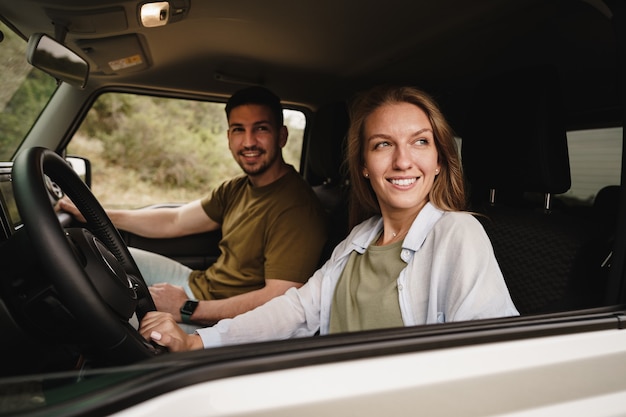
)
(187, 310)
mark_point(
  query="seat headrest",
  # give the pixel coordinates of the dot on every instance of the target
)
(606, 206)
(326, 149)
(514, 137)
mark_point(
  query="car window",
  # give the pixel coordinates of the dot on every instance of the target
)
(595, 162)
(187, 155)
(25, 91)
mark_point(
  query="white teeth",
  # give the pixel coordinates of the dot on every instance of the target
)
(403, 182)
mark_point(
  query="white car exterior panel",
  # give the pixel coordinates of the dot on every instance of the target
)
(581, 374)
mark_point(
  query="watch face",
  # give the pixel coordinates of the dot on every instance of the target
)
(190, 306)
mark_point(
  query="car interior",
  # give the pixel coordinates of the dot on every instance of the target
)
(513, 78)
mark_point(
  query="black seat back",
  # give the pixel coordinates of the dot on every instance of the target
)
(325, 163)
(514, 151)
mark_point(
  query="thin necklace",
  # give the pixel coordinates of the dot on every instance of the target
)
(381, 238)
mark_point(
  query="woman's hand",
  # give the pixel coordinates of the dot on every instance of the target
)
(161, 328)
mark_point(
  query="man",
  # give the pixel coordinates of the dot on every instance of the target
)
(273, 226)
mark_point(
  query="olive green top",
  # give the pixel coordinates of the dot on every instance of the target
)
(366, 296)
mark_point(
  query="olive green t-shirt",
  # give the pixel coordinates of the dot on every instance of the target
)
(275, 231)
(366, 296)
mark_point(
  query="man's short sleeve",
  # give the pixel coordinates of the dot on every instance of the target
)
(215, 203)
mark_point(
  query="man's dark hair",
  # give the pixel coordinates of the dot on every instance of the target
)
(257, 95)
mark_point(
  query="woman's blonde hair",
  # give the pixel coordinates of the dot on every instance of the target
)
(448, 192)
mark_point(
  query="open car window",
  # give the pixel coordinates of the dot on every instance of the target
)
(147, 150)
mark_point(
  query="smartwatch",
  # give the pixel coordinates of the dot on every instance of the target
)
(187, 310)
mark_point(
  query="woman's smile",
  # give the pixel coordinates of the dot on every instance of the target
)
(403, 182)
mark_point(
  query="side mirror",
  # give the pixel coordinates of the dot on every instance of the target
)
(82, 167)
(57, 60)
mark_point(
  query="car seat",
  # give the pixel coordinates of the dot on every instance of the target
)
(515, 157)
(325, 168)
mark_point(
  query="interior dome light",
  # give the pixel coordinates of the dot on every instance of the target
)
(155, 14)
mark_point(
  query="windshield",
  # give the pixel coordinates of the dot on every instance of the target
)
(23, 94)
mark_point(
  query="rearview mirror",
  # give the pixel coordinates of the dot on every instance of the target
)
(57, 60)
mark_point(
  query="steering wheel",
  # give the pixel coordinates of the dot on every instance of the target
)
(90, 268)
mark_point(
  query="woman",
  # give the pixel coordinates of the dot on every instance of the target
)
(414, 258)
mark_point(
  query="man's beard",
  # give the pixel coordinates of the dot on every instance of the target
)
(260, 169)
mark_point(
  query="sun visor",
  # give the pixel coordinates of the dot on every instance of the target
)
(106, 20)
(115, 55)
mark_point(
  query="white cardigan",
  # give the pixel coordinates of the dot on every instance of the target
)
(451, 275)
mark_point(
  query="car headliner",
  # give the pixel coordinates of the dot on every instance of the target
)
(311, 52)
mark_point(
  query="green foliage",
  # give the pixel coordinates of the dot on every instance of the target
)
(169, 143)
(170, 149)
(24, 94)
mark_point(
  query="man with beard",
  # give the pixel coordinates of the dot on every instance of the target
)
(273, 227)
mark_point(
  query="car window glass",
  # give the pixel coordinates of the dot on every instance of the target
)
(595, 162)
(147, 150)
(24, 93)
